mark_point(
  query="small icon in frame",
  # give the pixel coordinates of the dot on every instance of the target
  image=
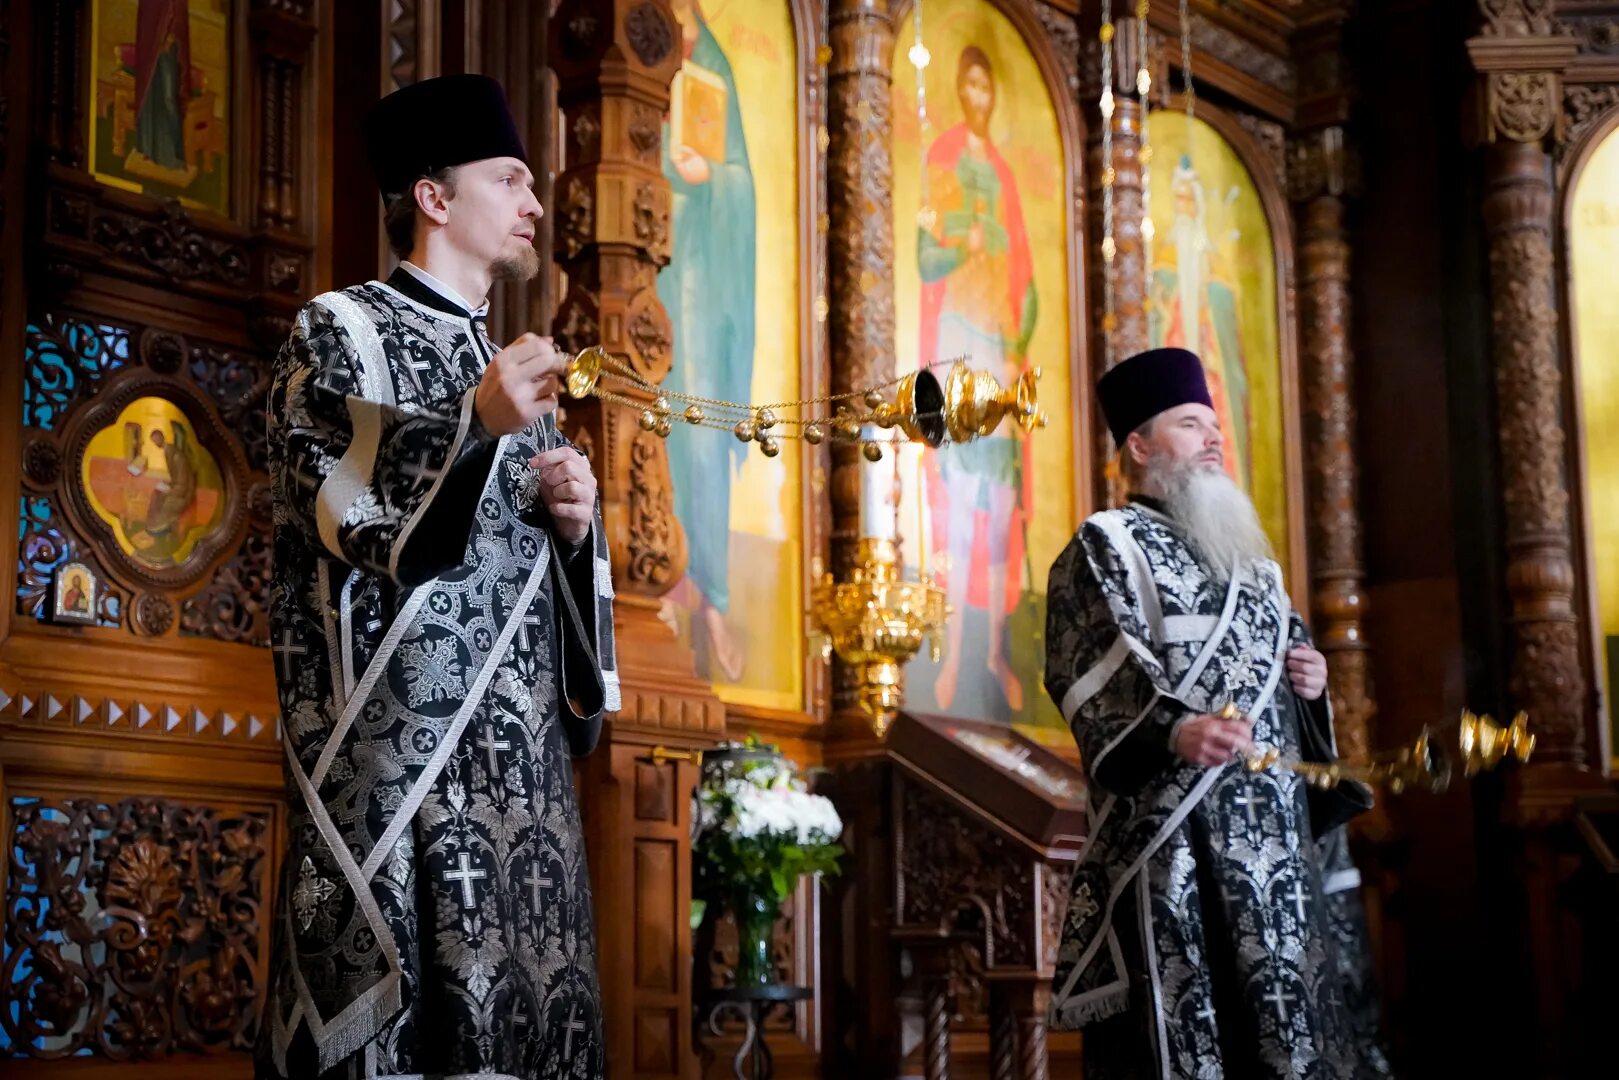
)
(74, 590)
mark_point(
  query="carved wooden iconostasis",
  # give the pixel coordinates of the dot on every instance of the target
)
(158, 177)
(179, 176)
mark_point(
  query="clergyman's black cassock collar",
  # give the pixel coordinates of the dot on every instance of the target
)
(407, 283)
(1155, 505)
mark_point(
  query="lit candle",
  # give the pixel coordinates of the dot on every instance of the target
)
(922, 513)
(876, 493)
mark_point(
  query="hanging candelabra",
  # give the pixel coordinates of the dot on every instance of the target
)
(876, 620)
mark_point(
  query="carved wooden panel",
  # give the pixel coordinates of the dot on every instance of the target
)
(134, 928)
(958, 875)
(640, 868)
(85, 376)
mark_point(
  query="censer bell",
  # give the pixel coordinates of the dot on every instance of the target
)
(1484, 743)
(584, 371)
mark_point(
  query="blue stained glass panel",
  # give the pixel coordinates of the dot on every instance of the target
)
(61, 357)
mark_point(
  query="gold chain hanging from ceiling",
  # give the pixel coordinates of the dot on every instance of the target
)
(1110, 319)
(1190, 93)
(1144, 155)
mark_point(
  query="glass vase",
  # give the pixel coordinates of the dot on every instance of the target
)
(755, 936)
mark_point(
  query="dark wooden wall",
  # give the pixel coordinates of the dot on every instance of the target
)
(1419, 534)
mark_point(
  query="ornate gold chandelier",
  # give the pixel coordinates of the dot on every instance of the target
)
(877, 621)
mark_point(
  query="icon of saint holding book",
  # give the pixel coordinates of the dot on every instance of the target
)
(708, 291)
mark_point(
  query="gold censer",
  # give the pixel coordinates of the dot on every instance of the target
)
(965, 405)
(1481, 743)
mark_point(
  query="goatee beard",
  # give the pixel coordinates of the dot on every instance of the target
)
(520, 267)
(1217, 516)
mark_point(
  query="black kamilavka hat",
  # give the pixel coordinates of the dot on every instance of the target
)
(435, 124)
(1138, 389)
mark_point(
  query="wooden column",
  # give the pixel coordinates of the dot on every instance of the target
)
(1520, 63)
(860, 335)
(614, 60)
(1123, 333)
(860, 247)
(1547, 677)
(1003, 1056)
(936, 1027)
(1030, 1003)
(1520, 57)
(1318, 168)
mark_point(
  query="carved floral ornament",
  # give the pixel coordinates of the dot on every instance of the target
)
(1516, 18)
(1520, 54)
(133, 929)
(649, 34)
(1584, 106)
(1523, 105)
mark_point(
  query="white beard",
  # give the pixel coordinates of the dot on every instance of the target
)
(1217, 516)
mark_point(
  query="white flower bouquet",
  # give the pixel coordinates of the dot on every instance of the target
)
(756, 829)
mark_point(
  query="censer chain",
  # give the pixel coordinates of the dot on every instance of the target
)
(617, 368)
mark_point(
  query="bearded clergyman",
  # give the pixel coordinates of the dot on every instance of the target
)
(442, 615)
(1214, 926)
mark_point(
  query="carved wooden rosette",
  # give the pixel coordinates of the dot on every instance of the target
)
(1520, 63)
(1318, 173)
(860, 244)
